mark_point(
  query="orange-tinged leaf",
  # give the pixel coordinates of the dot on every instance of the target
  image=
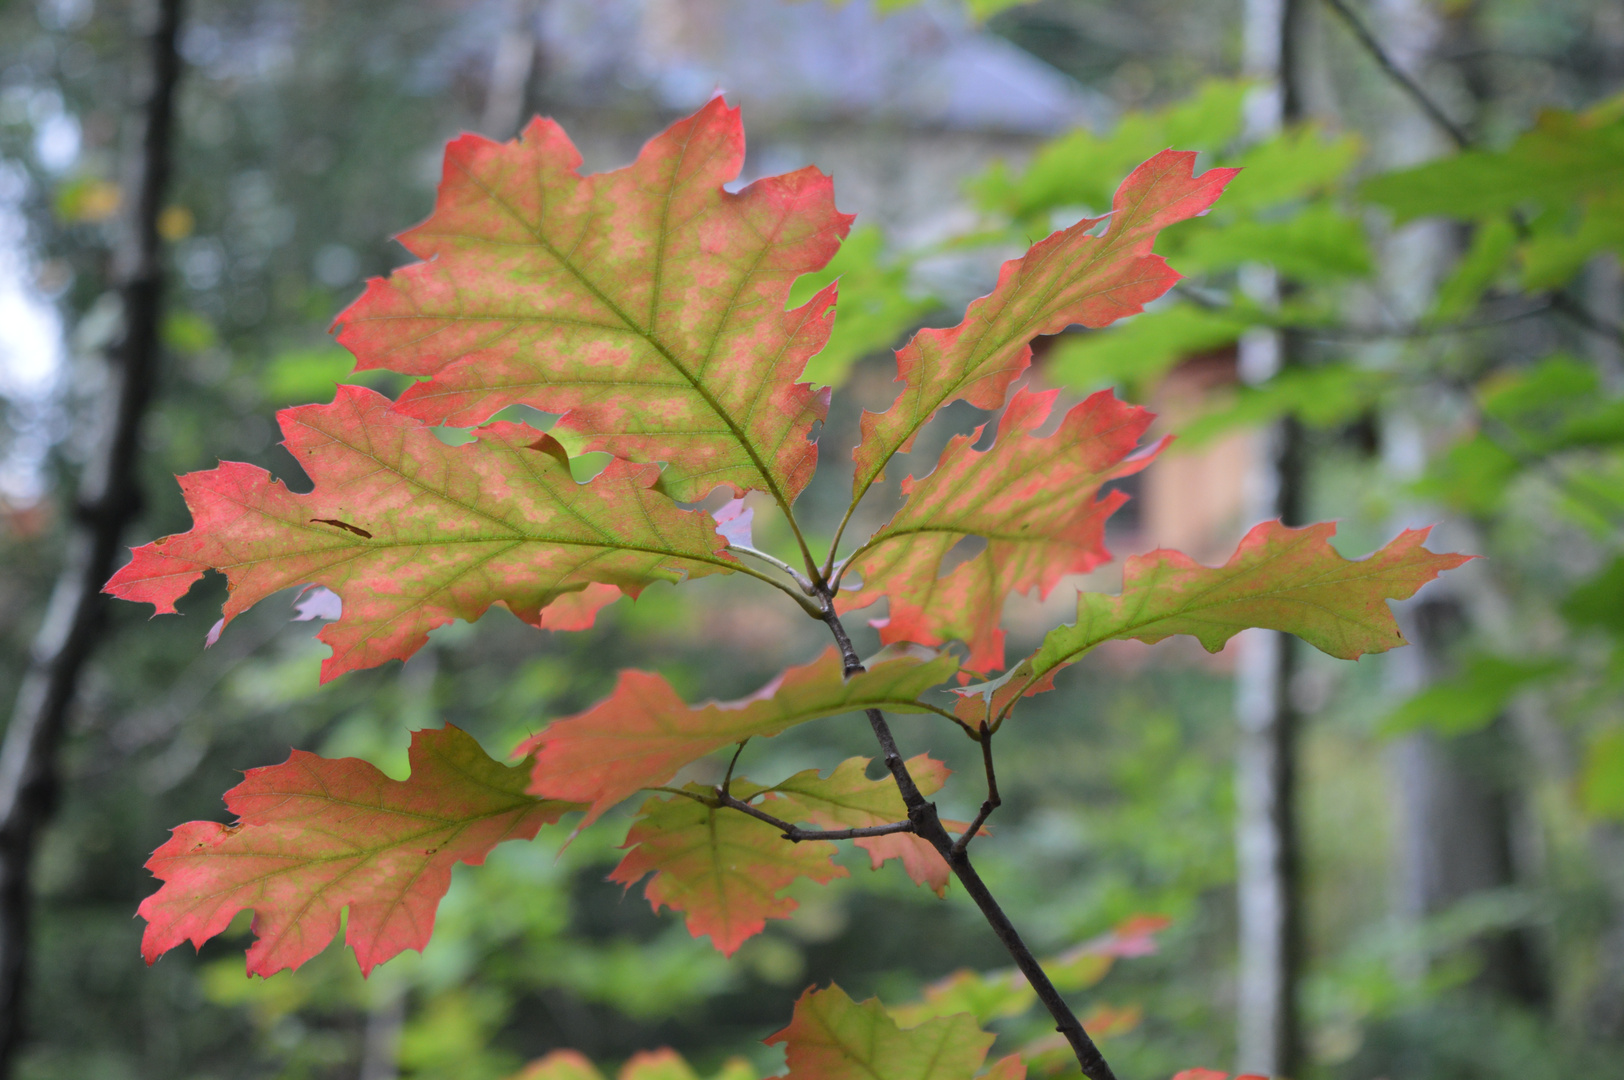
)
(1279, 578)
(722, 868)
(412, 533)
(1109, 1021)
(643, 733)
(1008, 1067)
(1035, 501)
(848, 799)
(578, 610)
(314, 836)
(560, 1065)
(832, 1037)
(1071, 277)
(646, 303)
(922, 863)
(662, 1064)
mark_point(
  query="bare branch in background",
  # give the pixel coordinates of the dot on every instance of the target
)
(108, 501)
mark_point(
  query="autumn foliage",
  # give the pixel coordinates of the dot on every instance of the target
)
(648, 308)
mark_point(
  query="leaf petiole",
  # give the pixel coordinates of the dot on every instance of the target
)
(796, 834)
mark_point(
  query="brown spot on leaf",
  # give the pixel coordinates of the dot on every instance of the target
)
(357, 530)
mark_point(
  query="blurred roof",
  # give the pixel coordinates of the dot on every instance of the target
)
(923, 67)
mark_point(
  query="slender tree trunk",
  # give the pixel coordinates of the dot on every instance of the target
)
(513, 66)
(108, 500)
(380, 1042)
(1454, 796)
(1457, 811)
(1269, 887)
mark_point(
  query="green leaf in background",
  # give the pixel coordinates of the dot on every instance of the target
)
(876, 306)
(833, 1037)
(1082, 169)
(1564, 157)
(1471, 700)
(1145, 347)
(1320, 397)
(1295, 164)
(1599, 602)
(188, 333)
(1538, 395)
(1601, 782)
(1555, 405)
(1493, 244)
(1552, 258)
(1472, 476)
(1318, 244)
(296, 376)
(985, 995)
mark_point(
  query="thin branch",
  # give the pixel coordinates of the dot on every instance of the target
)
(1512, 442)
(829, 573)
(727, 781)
(807, 557)
(800, 579)
(1402, 78)
(1361, 333)
(992, 802)
(701, 799)
(928, 825)
(798, 834)
(109, 498)
(1558, 302)
(1587, 319)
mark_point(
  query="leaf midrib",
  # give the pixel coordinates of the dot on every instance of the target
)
(646, 334)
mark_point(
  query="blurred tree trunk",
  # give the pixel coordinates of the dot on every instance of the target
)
(513, 67)
(1604, 295)
(1455, 801)
(107, 501)
(1457, 811)
(1269, 887)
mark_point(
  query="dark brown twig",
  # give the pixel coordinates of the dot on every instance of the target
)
(992, 802)
(798, 834)
(922, 814)
(727, 781)
(1400, 77)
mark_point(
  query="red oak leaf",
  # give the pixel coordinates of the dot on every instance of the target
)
(314, 836)
(1035, 500)
(412, 533)
(721, 867)
(643, 733)
(1071, 277)
(646, 303)
(1279, 578)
